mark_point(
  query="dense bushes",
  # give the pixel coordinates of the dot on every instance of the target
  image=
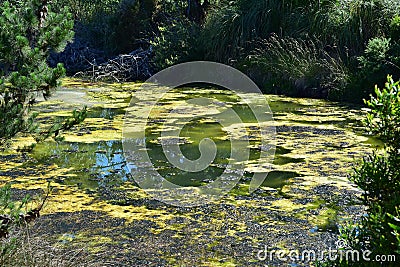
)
(175, 43)
(379, 177)
(327, 48)
(349, 44)
(342, 46)
(179, 28)
(116, 26)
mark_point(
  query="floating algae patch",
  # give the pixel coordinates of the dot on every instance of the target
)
(9, 162)
(315, 112)
(245, 113)
(280, 150)
(71, 199)
(277, 179)
(323, 216)
(326, 220)
(189, 139)
(100, 125)
(316, 148)
(282, 160)
(106, 113)
(112, 95)
(77, 83)
(225, 96)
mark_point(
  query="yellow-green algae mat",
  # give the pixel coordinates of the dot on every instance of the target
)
(96, 202)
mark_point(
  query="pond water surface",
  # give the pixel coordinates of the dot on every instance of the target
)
(97, 201)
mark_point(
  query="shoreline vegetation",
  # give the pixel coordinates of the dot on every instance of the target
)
(331, 49)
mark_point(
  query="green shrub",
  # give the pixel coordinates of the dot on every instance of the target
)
(396, 227)
(379, 178)
(395, 28)
(379, 58)
(384, 118)
(176, 43)
(131, 23)
(179, 33)
(375, 55)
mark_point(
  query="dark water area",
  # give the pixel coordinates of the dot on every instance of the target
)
(96, 197)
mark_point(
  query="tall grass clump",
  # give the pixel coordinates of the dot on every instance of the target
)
(299, 67)
(230, 29)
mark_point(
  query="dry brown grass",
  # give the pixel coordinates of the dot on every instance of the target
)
(23, 248)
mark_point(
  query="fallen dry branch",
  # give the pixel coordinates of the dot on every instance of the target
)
(128, 67)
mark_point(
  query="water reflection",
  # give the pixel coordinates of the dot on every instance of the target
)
(89, 164)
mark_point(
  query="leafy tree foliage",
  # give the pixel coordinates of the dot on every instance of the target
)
(29, 32)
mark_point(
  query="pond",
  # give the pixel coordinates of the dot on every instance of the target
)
(97, 203)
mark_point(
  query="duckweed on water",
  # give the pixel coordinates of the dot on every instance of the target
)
(316, 147)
